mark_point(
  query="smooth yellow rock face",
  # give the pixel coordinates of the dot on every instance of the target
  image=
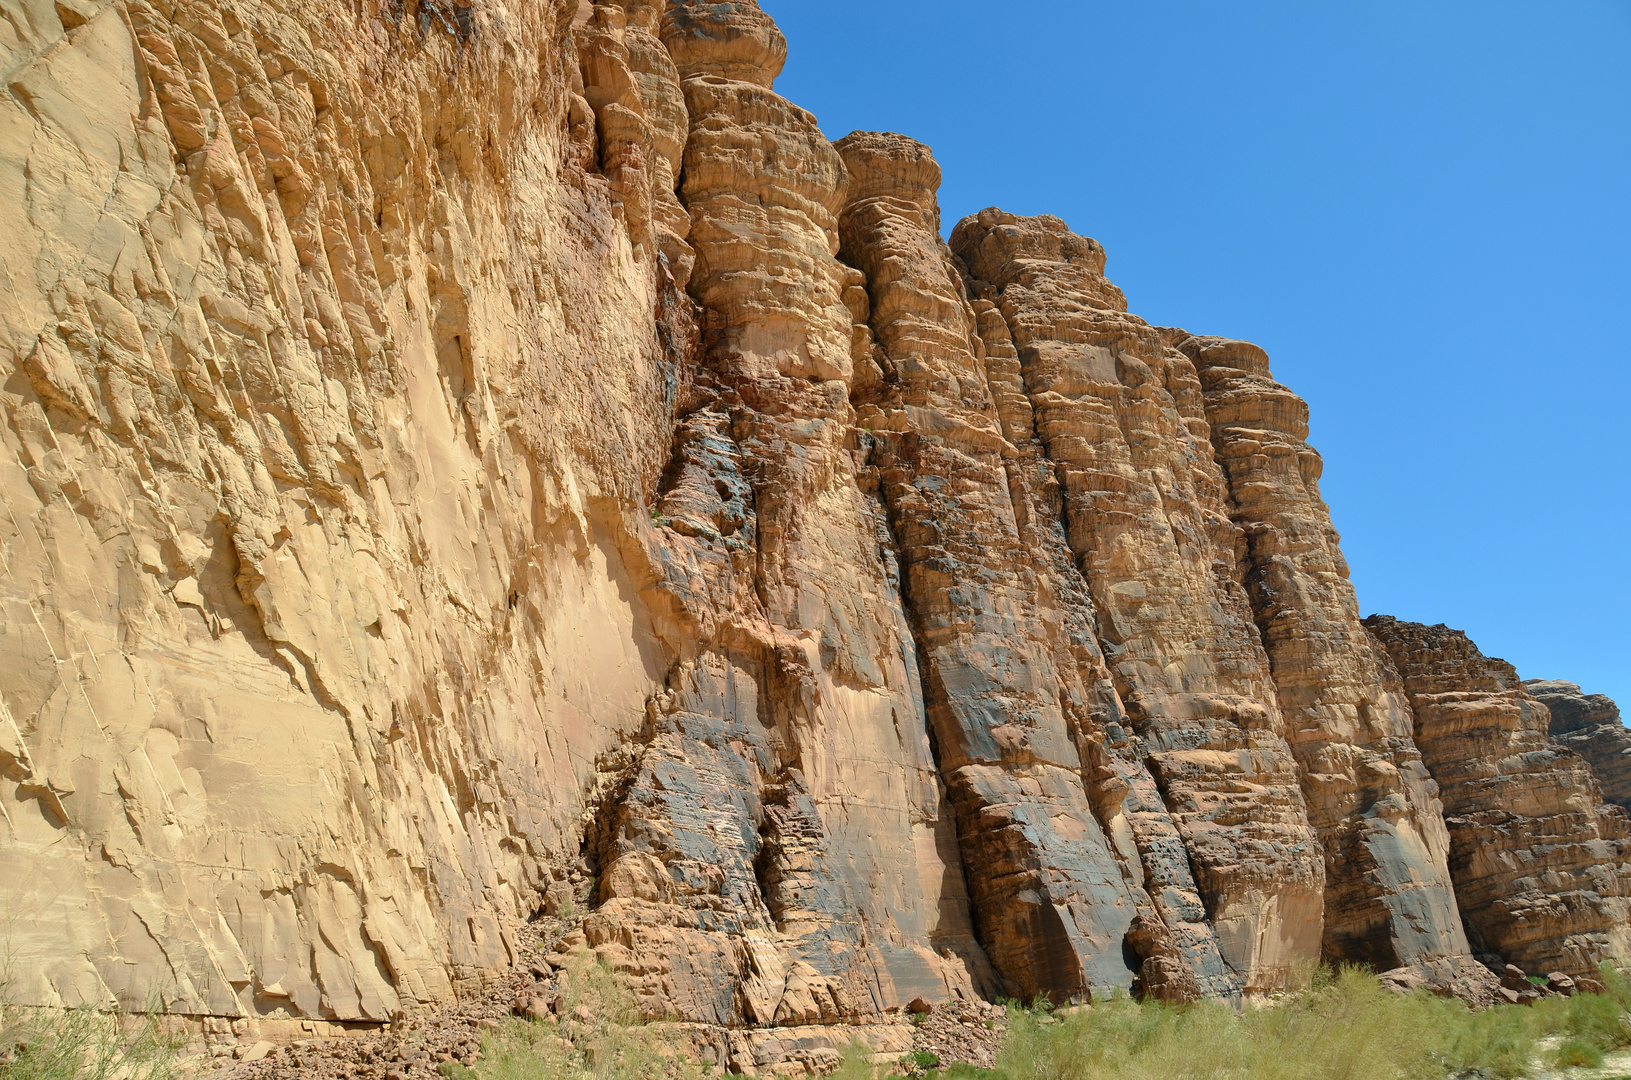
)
(456, 454)
(331, 395)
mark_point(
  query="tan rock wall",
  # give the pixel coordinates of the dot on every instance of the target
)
(1015, 685)
(325, 443)
(1589, 725)
(1120, 416)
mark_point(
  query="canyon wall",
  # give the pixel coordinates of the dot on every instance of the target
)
(469, 461)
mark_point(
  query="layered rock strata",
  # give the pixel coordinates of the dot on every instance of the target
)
(1140, 503)
(1542, 867)
(1130, 422)
(459, 457)
(1589, 725)
(777, 851)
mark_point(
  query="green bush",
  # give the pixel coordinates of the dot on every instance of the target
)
(856, 1063)
(614, 1044)
(1577, 1052)
(924, 1059)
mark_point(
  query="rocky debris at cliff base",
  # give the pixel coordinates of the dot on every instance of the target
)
(553, 971)
(968, 1032)
(416, 1046)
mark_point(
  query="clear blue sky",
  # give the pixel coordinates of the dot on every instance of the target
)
(1422, 211)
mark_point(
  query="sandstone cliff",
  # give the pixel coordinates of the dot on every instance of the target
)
(467, 460)
(1389, 898)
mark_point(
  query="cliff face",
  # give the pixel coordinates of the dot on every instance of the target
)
(1389, 898)
(334, 392)
(463, 458)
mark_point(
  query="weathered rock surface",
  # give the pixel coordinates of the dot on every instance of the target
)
(1120, 415)
(315, 616)
(463, 461)
(1542, 866)
(1589, 725)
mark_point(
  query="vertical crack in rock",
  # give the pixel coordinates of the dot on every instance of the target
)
(1119, 416)
(1388, 897)
(1019, 714)
(1540, 863)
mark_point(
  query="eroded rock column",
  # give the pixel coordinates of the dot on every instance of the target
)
(632, 87)
(776, 850)
(1119, 415)
(1019, 714)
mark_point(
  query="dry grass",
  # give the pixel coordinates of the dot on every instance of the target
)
(84, 1044)
(1344, 1027)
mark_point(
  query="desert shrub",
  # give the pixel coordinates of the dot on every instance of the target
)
(856, 1063)
(82, 1043)
(1577, 1052)
(924, 1059)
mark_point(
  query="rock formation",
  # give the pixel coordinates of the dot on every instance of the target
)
(1542, 867)
(1589, 725)
(778, 851)
(468, 460)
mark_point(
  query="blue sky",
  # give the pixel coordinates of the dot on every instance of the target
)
(1422, 211)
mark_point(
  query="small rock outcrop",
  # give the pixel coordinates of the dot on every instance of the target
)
(1542, 867)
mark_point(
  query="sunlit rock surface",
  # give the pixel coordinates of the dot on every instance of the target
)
(456, 457)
